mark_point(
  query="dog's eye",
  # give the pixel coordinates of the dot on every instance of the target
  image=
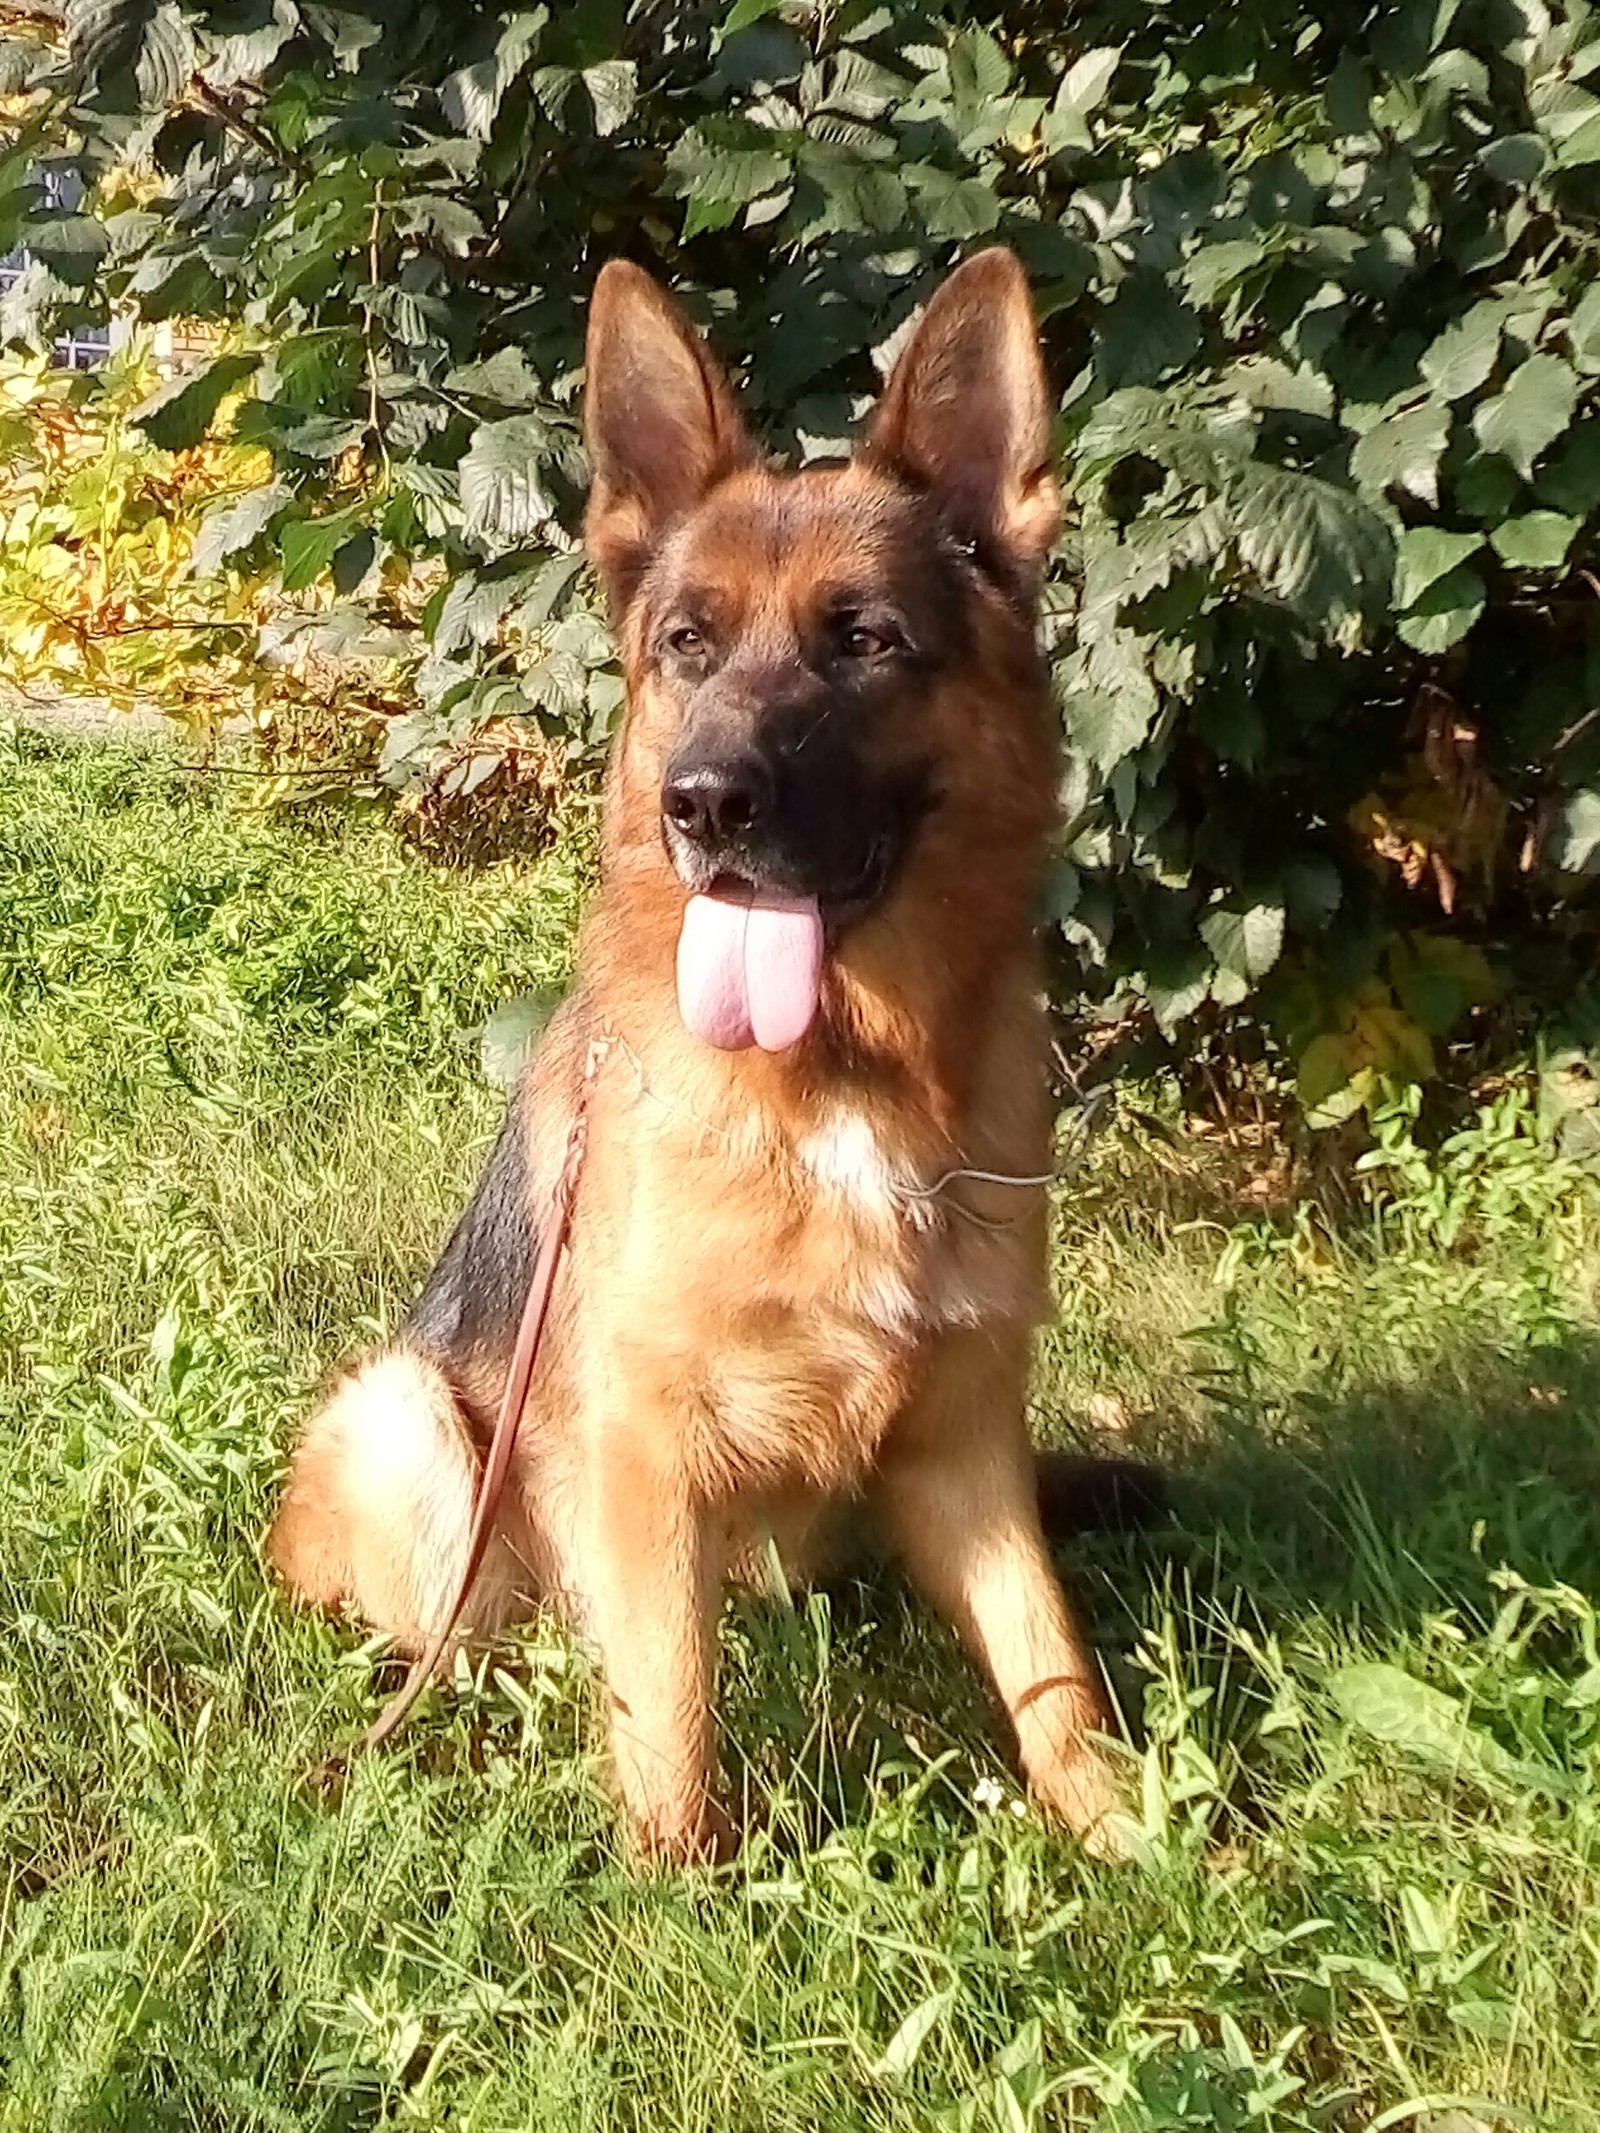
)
(858, 640)
(686, 641)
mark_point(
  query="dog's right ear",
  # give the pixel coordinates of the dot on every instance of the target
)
(659, 421)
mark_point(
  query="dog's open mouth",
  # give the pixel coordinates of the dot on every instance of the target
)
(749, 966)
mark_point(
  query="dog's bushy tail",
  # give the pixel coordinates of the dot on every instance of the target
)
(378, 1510)
(1082, 1493)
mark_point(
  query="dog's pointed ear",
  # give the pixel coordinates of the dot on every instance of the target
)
(966, 415)
(659, 420)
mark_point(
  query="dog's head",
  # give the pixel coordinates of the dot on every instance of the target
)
(824, 667)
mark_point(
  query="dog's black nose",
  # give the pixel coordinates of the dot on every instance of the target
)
(718, 801)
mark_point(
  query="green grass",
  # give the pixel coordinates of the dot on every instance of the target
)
(238, 1106)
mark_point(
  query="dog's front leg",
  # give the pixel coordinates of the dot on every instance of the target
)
(654, 1585)
(958, 1498)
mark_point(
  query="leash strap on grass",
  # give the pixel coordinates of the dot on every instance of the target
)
(504, 1441)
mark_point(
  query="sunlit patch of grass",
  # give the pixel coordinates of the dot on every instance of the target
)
(238, 1107)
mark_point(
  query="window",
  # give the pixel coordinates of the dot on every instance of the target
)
(85, 346)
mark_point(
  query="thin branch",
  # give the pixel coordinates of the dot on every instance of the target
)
(85, 635)
(244, 125)
(245, 770)
(368, 322)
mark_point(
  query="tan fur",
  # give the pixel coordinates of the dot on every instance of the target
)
(380, 1504)
(764, 1314)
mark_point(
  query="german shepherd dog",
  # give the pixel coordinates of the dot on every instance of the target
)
(808, 1250)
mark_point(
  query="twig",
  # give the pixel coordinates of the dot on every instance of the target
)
(168, 622)
(368, 317)
(246, 126)
(243, 770)
(86, 635)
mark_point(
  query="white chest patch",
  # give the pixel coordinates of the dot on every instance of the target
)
(844, 1156)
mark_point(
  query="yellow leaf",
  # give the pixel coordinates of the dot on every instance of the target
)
(1393, 1043)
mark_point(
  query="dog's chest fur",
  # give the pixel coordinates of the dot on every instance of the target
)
(788, 1280)
(912, 1257)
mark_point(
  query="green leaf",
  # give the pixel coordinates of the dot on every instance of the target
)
(345, 33)
(1583, 330)
(472, 611)
(309, 545)
(1176, 982)
(951, 206)
(1216, 269)
(504, 493)
(1324, 1080)
(1573, 839)
(1423, 555)
(1403, 452)
(179, 413)
(1265, 382)
(227, 528)
(1312, 892)
(1314, 546)
(551, 581)
(1571, 480)
(1486, 488)
(1063, 891)
(1083, 90)
(1245, 937)
(1438, 979)
(1531, 413)
(727, 177)
(1582, 145)
(352, 563)
(1108, 724)
(1427, 1925)
(1514, 158)
(1145, 332)
(511, 1035)
(1538, 540)
(145, 42)
(612, 87)
(244, 57)
(321, 437)
(56, 240)
(1445, 612)
(503, 378)
(900, 2053)
(1399, 1711)
(1462, 357)
(472, 96)
(744, 12)
(436, 215)
(978, 70)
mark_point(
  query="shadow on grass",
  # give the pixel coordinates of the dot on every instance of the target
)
(1393, 1499)
(1367, 1514)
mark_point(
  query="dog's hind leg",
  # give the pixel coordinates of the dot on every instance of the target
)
(378, 1508)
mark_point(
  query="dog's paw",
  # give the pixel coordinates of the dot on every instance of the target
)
(1088, 1793)
(700, 1835)
(1114, 1839)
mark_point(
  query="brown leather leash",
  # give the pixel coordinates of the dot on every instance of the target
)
(503, 1443)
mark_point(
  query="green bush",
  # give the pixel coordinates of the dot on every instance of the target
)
(1319, 286)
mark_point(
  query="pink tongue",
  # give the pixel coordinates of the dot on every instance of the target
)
(749, 970)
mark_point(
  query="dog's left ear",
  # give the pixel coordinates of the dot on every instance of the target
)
(966, 415)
